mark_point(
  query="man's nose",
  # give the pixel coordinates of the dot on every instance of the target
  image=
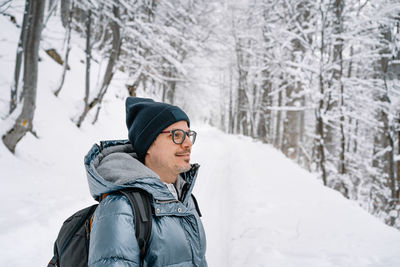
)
(187, 142)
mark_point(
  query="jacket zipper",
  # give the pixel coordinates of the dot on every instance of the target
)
(166, 201)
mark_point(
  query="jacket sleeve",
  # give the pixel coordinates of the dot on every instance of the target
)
(112, 238)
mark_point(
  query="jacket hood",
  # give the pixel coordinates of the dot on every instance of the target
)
(113, 165)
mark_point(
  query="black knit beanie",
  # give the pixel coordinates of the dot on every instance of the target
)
(146, 118)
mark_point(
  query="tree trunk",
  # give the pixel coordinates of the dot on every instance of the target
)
(350, 139)
(134, 86)
(302, 156)
(277, 135)
(65, 10)
(291, 124)
(337, 76)
(383, 139)
(231, 118)
(321, 139)
(398, 162)
(241, 110)
(88, 59)
(383, 156)
(169, 86)
(18, 60)
(171, 94)
(241, 113)
(320, 146)
(68, 49)
(51, 5)
(51, 8)
(115, 51)
(384, 147)
(267, 86)
(23, 124)
(265, 116)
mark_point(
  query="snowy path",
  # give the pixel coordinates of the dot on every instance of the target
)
(260, 209)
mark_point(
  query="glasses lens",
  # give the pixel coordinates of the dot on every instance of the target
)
(178, 136)
(192, 136)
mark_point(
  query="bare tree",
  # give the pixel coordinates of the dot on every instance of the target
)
(397, 195)
(109, 72)
(23, 123)
(52, 7)
(65, 9)
(320, 124)
(68, 47)
(338, 74)
(383, 141)
(242, 100)
(18, 60)
(112, 61)
(3, 6)
(88, 59)
(299, 12)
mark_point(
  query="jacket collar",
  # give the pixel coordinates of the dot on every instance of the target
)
(113, 166)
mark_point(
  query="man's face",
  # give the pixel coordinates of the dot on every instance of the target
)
(166, 158)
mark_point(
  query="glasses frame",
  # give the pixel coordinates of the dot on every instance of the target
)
(188, 133)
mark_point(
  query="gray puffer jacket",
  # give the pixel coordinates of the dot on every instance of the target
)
(177, 238)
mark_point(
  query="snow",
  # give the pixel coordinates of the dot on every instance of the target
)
(263, 210)
(259, 208)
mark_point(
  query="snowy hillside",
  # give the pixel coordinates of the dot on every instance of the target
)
(259, 208)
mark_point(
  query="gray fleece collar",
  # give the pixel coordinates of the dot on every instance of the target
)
(117, 164)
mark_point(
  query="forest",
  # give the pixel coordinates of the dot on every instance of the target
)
(318, 80)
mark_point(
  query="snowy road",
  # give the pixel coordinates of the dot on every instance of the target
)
(260, 209)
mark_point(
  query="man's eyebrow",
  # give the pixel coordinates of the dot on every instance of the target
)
(179, 129)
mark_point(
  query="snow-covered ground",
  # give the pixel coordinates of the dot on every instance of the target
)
(263, 210)
(259, 208)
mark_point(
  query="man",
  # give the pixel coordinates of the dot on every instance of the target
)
(156, 159)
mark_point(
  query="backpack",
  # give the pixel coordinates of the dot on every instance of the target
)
(71, 248)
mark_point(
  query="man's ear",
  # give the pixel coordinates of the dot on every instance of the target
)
(146, 156)
(149, 150)
(150, 147)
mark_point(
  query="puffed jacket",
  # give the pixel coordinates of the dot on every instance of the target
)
(177, 237)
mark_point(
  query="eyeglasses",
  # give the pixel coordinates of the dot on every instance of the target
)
(178, 135)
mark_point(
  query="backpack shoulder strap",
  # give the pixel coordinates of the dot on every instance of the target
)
(196, 205)
(141, 207)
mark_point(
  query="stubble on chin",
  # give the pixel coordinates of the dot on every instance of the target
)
(181, 169)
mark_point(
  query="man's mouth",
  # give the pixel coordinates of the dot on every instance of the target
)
(185, 155)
